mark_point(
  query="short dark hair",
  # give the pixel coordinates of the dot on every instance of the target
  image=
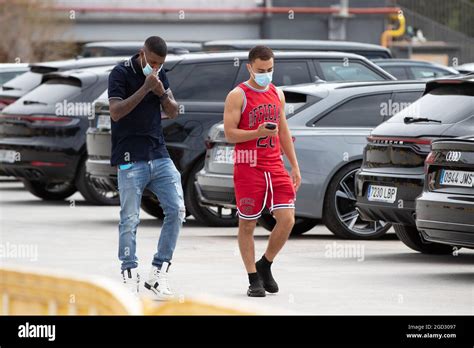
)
(260, 52)
(157, 45)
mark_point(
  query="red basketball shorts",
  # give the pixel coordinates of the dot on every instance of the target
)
(256, 188)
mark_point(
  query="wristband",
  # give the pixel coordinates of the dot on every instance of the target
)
(164, 96)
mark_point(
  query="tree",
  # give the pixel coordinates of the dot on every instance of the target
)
(31, 31)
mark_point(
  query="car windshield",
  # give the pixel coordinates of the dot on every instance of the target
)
(348, 71)
(448, 104)
(50, 92)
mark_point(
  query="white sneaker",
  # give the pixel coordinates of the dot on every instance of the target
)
(158, 282)
(131, 280)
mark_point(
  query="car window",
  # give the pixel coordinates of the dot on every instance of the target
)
(448, 104)
(291, 72)
(208, 81)
(296, 102)
(349, 70)
(286, 73)
(25, 82)
(177, 75)
(88, 52)
(52, 91)
(400, 101)
(364, 111)
(398, 71)
(8, 75)
(425, 72)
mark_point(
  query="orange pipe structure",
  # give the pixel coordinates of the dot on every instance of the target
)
(302, 10)
(387, 35)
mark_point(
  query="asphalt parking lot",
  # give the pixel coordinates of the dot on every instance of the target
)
(318, 274)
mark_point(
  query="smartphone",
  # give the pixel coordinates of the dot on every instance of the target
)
(270, 126)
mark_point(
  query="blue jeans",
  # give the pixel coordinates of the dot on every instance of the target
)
(161, 177)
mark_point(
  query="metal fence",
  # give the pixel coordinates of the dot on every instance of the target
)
(455, 14)
(434, 31)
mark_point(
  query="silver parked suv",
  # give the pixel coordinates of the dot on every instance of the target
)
(329, 123)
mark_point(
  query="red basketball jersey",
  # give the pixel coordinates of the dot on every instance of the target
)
(259, 106)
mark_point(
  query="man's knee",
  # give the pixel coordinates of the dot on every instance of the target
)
(175, 210)
(247, 226)
(130, 222)
(285, 220)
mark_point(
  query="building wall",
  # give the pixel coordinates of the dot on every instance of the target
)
(185, 25)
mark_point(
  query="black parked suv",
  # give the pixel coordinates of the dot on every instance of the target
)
(42, 135)
(200, 83)
(20, 85)
(444, 211)
(392, 173)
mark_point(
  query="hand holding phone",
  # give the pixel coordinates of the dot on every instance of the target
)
(267, 129)
(270, 125)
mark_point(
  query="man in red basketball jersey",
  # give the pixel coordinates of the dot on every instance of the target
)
(254, 119)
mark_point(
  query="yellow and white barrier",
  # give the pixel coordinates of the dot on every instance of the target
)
(24, 292)
(32, 292)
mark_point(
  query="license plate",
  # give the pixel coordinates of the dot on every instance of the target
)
(224, 154)
(386, 194)
(7, 156)
(456, 178)
(103, 121)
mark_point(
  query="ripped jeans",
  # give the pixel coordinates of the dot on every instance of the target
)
(161, 177)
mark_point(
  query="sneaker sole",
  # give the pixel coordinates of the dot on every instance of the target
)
(271, 290)
(256, 293)
(158, 294)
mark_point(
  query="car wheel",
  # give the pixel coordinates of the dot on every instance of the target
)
(410, 236)
(207, 215)
(50, 192)
(151, 205)
(302, 225)
(93, 194)
(340, 214)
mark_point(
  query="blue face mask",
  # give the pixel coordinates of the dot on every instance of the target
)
(263, 79)
(147, 70)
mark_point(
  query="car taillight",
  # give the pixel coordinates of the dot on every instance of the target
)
(6, 101)
(398, 140)
(420, 145)
(429, 160)
(47, 164)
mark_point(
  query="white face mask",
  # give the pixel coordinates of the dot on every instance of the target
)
(147, 70)
(263, 79)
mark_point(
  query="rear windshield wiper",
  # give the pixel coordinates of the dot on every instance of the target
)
(29, 102)
(419, 119)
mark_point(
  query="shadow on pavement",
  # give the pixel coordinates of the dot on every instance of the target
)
(414, 257)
